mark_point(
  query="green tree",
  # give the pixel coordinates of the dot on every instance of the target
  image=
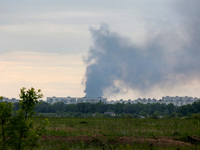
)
(5, 115)
(29, 98)
(17, 128)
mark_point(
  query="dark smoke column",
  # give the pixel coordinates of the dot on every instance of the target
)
(115, 58)
(169, 58)
(100, 70)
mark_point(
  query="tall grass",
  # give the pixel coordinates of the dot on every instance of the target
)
(106, 129)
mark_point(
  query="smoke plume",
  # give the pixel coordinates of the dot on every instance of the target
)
(171, 57)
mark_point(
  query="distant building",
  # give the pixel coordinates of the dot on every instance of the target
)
(74, 100)
(12, 100)
(176, 100)
(109, 114)
(179, 101)
(110, 102)
(65, 100)
(91, 100)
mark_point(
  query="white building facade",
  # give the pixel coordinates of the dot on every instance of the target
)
(176, 100)
(65, 100)
(74, 100)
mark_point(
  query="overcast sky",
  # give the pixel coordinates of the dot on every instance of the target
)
(43, 43)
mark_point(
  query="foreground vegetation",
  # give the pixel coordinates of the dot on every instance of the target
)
(107, 133)
(17, 129)
(84, 126)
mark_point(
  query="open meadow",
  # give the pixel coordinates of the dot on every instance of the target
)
(112, 133)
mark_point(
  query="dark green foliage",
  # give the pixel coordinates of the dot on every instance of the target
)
(5, 115)
(28, 101)
(120, 109)
(18, 131)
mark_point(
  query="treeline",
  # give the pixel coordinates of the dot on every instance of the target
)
(133, 110)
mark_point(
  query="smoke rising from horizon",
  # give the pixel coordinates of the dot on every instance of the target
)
(170, 58)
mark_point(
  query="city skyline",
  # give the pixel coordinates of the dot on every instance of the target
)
(177, 101)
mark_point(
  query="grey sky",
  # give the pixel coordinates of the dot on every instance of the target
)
(56, 26)
(45, 30)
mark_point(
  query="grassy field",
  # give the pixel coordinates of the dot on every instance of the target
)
(106, 133)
